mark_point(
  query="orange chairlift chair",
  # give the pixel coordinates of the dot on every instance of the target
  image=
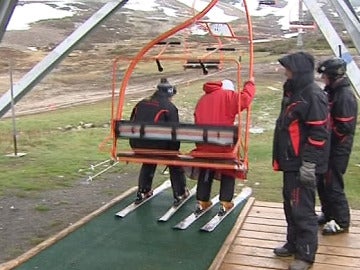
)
(122, 130)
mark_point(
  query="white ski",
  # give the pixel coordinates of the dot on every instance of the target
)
(172, 210)
(185, 223)
(216, 220)
(131, 207)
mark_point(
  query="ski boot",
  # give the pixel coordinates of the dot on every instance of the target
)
(224, 207)
(202, 206)
(140, 196)
(179, 199)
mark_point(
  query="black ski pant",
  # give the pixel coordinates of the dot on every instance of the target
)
(334, 203)
(177, 178)
(302, 226)
(203, 190)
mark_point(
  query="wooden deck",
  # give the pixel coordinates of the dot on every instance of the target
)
(261, 227)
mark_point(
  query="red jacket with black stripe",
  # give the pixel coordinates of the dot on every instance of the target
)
(343, 112)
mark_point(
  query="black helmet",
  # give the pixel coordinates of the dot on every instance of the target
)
(165, 87)
(335, 67)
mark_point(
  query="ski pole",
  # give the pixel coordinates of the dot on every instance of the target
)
(101, 172)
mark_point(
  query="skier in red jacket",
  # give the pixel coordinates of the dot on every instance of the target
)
(219, 108)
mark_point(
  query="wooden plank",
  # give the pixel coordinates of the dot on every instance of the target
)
(321, 258)
(355, 214)
(242, 245)
(230, 239)
(264, 228)
(272, 263)
(318, 266)
(266, 221)
(340, 251)
(268, 204)
(240, 241)
(230, 266)
(253, 251)
(341, 240)
(261, 235)
(334, 259)
(262, 209)
(269, 215)
(354, 230)
(337, 260)
(280, 227)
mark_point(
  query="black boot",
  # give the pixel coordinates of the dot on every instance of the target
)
(179, 199)
(284, 251)
(140, 196)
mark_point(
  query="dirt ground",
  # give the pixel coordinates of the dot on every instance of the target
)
(84, 76)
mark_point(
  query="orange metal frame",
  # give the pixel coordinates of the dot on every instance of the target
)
(242, 158)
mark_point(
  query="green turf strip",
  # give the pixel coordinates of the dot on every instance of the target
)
(137, 241)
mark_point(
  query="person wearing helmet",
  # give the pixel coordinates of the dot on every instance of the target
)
(158, 108)
(300, 151)
(343, 116)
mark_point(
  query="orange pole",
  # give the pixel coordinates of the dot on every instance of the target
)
(251, 75)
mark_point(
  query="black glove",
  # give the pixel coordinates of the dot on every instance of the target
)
(307, 174)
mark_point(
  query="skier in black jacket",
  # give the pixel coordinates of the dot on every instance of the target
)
(158, 109)
(343, 116)
(300, 151)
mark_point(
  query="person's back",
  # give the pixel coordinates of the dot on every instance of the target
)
(218, 107)
(158, 109)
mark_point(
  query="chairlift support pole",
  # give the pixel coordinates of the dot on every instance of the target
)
(351, 22)
(300, 42)
(335, 41)
(57, 54)
(6, 10)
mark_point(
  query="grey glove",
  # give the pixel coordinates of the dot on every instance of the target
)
(307, 174)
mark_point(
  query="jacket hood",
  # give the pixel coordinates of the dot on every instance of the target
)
(302, 66)
(210, 87)
(300, 62)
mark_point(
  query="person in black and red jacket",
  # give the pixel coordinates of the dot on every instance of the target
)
(300, 151)
(158, 109)
(343, 115)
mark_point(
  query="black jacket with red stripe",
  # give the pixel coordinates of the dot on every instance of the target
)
(156, 109)
(302, 128)
(343, 112)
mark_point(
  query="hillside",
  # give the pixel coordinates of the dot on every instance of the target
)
(122, 33)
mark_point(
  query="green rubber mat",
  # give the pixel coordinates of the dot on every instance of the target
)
(137, 241)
